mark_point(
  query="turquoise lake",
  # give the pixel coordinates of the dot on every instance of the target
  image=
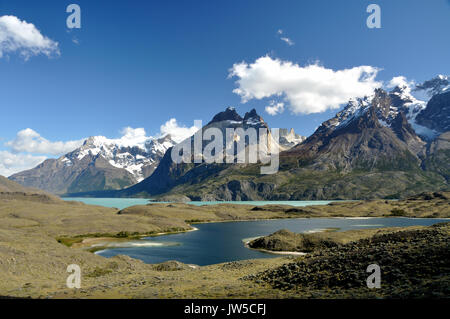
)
(215, 243)
(122, 203)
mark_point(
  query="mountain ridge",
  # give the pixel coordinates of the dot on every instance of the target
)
(99, 164)
(351, 156)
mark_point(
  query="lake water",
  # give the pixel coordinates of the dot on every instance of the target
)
(122, 203)
(223, 242)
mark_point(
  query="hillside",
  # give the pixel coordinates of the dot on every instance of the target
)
(8, 186)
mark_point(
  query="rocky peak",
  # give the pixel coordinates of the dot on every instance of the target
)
(401, 95)
(253, 119)
(436, 116)
(229, 114)
(437, 85)
(92, 141)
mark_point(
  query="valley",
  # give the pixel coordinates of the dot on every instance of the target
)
(39, 236)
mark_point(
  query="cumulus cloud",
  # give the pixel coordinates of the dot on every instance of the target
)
(132, 136)
(29, 148)
(17, 36)
(275, 108)
(30, 141)
(177, 132)
(11, 163)
(307, 89)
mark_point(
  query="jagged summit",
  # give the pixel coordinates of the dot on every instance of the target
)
(437, 85)
(252, 118)
(229, 114)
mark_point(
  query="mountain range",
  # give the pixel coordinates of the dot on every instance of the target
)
(103, 164)
(99, 164)
(387, 145)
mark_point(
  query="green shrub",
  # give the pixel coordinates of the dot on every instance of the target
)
(398, 212)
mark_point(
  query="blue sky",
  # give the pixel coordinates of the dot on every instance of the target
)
(140, 63)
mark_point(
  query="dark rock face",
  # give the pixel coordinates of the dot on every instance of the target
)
(361, 142)
(169, 174)
(436, 115)
(252, 115)
(237, 190)
(229, 114)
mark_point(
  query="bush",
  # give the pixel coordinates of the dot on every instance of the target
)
(398, 212)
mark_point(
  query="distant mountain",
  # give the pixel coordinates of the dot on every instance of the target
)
(99, 164)
(387, 145)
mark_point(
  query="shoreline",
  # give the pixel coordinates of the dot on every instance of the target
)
(289, 253)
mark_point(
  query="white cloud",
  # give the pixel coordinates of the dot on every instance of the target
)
(398, 81)
(132, 136)
(11, 163)
(285, 39)
(275, 108)
(30, 141)
(28, 149)
(178, 133)
(24, 38)
(401, 82)
(288, 41)
(309, 89)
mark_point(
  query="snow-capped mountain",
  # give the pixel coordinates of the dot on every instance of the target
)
(400, 100)
(437, 85)
(99, 164)
(137, 157)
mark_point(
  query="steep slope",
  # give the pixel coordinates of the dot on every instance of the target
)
(99, 164)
